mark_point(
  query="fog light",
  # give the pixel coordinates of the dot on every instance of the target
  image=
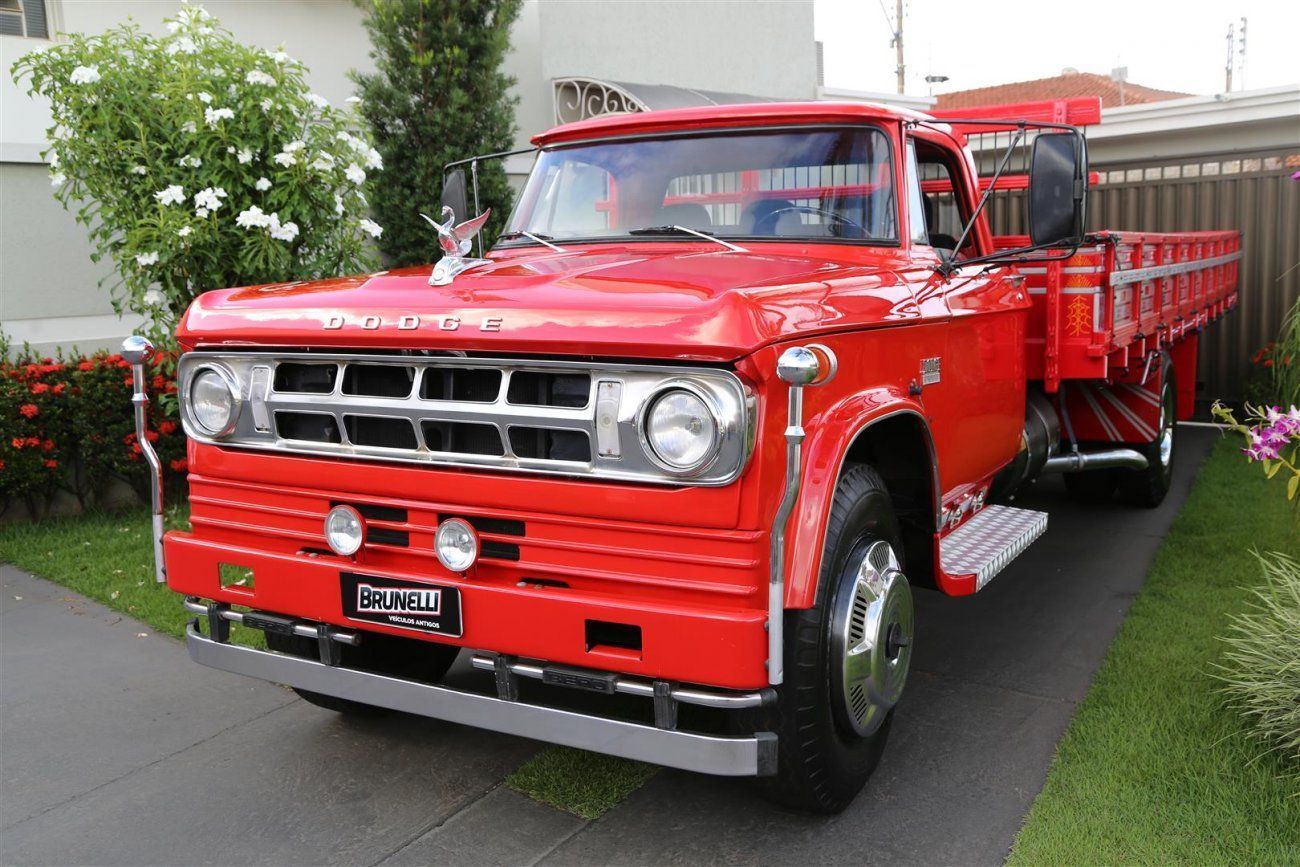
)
(345, 530)
(456, 544)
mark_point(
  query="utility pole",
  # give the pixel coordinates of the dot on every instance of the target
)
(1243, 51)
(1227, 69)
(898, 44)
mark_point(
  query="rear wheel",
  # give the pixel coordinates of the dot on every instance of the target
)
(386, 654)
(1147, 488)
(847, 657)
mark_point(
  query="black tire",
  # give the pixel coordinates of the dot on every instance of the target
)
(1147, 488)
(1091, 487)
(400, 657)
(822, 761)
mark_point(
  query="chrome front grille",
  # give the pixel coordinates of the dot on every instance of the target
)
(539, 416)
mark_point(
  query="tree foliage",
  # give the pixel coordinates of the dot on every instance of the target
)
(438, 95)
(199, 162)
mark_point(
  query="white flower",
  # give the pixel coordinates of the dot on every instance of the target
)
(262, 184)
(192, 14)
(205, 97)
(173, 26)
(267, 104)
(295, 145)
(371, 228)
(201, 213)
(374, 160)
(257, 76)
(281, 57)
(170, 196)
(190, 161)
(244, 156)
(209, 198)
(189, 126)
(154, 297)
(353, 100)
(84, 75)
(355, 173)
(139, 170)
(183, 45)
(338, 204)
(146, 259)
(253, 218)
(319, 101)
(58, 179)
(214, 115)
(184, 231)
(53, 158)
(323, 163)
(285, 158)
(285, 232)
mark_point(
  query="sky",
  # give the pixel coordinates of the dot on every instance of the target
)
(1179, 46)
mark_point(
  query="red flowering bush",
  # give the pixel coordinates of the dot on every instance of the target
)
(67, 423)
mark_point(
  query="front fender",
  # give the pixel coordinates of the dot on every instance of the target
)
(832, 430)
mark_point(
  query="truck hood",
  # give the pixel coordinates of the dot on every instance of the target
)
(643, 300)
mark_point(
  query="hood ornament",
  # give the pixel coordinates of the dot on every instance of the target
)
(455, 241)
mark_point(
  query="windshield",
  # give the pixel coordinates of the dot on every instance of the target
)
(818, 184)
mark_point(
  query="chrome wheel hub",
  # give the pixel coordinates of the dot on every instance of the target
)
(871, 637)
(1166, 434)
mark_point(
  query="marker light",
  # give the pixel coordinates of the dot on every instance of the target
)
(456, 544)
(345, 530)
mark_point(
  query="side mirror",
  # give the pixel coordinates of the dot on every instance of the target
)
(1058, 189)
(454, 193)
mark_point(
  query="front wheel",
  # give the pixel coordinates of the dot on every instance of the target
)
(847, 657)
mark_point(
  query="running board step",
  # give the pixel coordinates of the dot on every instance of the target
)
(984, 545)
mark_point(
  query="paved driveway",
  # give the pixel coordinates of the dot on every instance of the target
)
(115, 749)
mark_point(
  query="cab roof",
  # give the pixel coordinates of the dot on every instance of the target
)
(723, 116)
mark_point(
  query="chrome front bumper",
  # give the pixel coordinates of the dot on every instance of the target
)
(707, 754)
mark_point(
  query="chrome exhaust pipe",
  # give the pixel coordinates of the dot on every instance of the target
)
(1129, 459)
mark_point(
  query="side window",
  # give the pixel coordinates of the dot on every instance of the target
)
(915, 203)
(944, 211)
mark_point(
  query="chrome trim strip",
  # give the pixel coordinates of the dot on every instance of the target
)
(137, 350)
(303, 628)
(731, 400)
(1139, 275)
(637, 686)
(735, 757)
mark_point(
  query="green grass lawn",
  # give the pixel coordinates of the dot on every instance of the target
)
(1153, 768)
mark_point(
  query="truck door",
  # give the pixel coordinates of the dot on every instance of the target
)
(977, 405)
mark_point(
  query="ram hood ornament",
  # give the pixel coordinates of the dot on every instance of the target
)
(455, 241)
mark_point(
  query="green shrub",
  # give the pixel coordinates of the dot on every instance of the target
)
(1261, 665)
(437, 95)
(198, 163)
(68, 425)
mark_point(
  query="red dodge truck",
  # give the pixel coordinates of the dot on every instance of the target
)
(731, 384)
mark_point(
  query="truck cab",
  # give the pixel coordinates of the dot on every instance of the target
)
(731, 386)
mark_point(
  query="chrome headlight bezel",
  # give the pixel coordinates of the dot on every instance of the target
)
(191, 419)
(647, 439)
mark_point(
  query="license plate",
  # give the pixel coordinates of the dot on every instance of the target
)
(431, 608)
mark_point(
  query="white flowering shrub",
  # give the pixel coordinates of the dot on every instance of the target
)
(198, 162)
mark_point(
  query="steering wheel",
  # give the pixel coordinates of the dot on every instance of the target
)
(837, 219)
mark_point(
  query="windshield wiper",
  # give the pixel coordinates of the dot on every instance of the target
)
(544, 240)
(682, 230)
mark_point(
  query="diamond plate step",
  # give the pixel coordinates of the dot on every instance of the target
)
(985, 544)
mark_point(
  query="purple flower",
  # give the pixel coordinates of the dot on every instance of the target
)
(1262, 448)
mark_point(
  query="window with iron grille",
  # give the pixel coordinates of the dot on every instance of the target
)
(23, 18)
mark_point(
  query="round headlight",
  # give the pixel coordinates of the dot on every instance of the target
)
(212, 403)
(681, 429)
(456, 544)
(345, 530)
